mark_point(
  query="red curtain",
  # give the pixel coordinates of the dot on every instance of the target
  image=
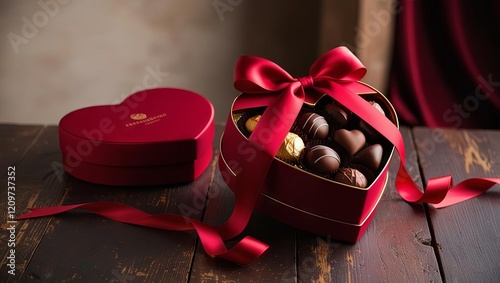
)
(446, 65)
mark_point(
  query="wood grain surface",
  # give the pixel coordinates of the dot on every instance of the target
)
(404, 243)
(39, 182)
(467, 234)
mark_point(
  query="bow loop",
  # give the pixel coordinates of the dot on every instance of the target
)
(258, 75)
(338, 64)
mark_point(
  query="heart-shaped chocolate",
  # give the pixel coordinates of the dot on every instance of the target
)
(370, 157)
(352, 141)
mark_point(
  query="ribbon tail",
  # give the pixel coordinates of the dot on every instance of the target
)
(48, 211)
(438, 191)
(435, 192)
(244, 252)
(277, 120)
(467, 189)
(265, 141)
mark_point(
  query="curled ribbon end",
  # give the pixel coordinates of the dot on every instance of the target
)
(246, 251)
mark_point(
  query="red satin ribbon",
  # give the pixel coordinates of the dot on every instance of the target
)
(244, 252)
(331, 74)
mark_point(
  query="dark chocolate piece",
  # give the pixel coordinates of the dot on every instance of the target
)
(370, 157)
(291, 148)
(322, 159)
(350, 176)
(313, 125)
(339, 114)
(352, 141)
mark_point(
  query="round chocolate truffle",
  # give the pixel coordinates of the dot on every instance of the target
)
(322, 159)
(339, 114)
(313, 125)
(251, 123)
(350, 176)
(291, 148)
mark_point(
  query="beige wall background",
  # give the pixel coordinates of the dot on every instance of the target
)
(60, 55)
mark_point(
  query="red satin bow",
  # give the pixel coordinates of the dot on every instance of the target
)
(331, 74)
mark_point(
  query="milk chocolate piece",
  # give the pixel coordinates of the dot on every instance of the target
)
(370, 157)
(322, 159)
(291, 148)
(352, 141)
(313, 125)
(251, 123)
(350, 176)
(339, 114)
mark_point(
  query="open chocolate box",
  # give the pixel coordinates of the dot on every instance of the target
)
(306, 199)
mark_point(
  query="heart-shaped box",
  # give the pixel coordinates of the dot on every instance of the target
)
(155, 136)
(303, 199)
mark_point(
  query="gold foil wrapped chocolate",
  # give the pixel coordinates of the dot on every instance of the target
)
(236, 117)
(291, 148)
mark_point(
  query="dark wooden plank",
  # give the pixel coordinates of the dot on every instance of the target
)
(89, 248)
(14, 141)
(277, 264)
(97, 249)
(395, 248)
(467, 234)
(39, 182)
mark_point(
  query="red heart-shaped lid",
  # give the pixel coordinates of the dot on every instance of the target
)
(151, 127)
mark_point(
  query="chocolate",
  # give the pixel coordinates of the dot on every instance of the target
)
(371, 157)
(352, 141)
(350, 176)
(251, 123)
(236, 117)
(377, 106)
(365, 127)
(322, 159)
(291, 148)
(339, 114)
(313, 125)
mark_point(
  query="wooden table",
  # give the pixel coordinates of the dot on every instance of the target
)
(405, 242)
